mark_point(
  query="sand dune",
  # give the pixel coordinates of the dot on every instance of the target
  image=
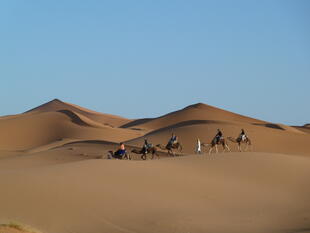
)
(55, 175)
(263, 139)
(193, 112)
(202, 121)
(56, 105)
(305, 128)
(28, 131)
(56, 121)
(237, 192)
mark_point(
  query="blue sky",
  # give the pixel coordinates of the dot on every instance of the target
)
(147, 58)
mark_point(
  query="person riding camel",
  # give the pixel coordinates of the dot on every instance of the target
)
(218, 136)
(146, 145)
(242, 136)
(173, 140)
(121, 151)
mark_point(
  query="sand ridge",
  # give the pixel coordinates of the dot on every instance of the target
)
(56, 105)
(55, 175)
(57, 120)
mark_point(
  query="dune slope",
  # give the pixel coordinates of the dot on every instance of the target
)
(248, 192)
(56, 105)
(191, 113)
(57, 120)
(28, 131)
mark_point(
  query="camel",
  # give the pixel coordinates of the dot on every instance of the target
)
(112, 154)
(214, 143)
(239, 141)
(150, 150)
(170, 148)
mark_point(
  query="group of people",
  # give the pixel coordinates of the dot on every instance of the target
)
(122, 151)
(147, 145)
(219, 135)
(174, 139)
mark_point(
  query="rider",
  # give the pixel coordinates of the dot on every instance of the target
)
(242, 136)
(146, 145)
(218, 136)
(173, 139)
(121, 151)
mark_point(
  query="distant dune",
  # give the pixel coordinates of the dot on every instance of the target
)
(57, 105)
(27, 131)
(193, 112)
(55, 174)
(57, 120)
(202, 121)
(305, 128)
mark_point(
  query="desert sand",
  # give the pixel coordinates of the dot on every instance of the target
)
(55, 175)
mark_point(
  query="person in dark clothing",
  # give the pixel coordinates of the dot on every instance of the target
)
(218, 136)
(145, 146)
(173, 139)
(121, 151)
(242, 136)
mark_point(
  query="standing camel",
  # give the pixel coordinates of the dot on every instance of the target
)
(171, 147)
(150, 150)
(240, 141)
(214, 144)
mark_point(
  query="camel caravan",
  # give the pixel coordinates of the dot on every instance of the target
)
(174, 147)
(220, 140)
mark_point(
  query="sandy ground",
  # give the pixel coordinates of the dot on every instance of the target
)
(231, 192)
(55, 175)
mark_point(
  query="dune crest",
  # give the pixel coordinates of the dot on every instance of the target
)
(191, 113)
(59, 121)
(28, 131)
(55, 173)
(57, 105)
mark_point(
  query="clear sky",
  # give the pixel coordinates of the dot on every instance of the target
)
(146, 58)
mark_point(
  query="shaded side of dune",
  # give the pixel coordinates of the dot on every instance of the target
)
(74, 117)
(102, 118)
(186, 123)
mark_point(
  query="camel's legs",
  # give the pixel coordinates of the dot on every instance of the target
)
(224, 149)
(216, 149)
(126, 156)
(171, 153)
(211, 148)
(227, 147)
